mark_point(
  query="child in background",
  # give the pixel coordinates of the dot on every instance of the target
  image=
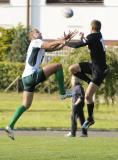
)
(78, 96)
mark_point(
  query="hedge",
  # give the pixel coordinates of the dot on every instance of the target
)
(108, 90)
(13, 44)
(8, 72)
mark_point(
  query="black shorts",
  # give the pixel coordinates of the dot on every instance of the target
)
(98, 72)
(30, 82)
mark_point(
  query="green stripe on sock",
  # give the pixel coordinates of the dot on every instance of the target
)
(60, 80)
(17, 115)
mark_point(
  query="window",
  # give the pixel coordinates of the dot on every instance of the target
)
(4, 1)
(74, 1)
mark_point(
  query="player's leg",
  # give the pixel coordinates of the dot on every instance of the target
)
(98, 76)
(85, 68)
(80, 70)
(90, 103)
(56, 68)
(27, 100)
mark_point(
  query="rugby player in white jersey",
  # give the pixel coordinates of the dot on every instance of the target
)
(34, 74)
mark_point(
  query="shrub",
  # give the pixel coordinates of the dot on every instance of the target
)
(13, 47)
(9, 72)
(13, 44)
(19, 45)
(108, 89)
(6, 38)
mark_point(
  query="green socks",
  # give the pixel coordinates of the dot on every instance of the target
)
(17, 115)
(60, 80)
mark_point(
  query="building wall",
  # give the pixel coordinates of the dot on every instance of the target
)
(13, 13)
(50, 20)
(52, 23)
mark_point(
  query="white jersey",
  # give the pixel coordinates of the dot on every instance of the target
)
(35, 55)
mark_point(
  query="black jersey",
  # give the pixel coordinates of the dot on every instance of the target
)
(96, 47)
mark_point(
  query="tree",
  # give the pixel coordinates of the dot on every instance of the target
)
(109, 88)
(19, 45)
(6, 38)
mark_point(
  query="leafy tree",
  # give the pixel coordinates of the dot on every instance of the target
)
(13, 47)
(19, 45)
(13, 44)
(108, 89)
(6, 38)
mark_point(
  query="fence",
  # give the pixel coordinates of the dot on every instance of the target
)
(60, 53)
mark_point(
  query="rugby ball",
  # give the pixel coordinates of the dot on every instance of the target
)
(68, 12)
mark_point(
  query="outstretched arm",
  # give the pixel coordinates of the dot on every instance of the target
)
(56, 48)
(50, 45)
(80, 43)
(76, 44)
(60, 43)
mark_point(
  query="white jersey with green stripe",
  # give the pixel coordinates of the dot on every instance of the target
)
(35, 55)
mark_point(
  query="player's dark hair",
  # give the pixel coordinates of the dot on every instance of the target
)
(96, 25)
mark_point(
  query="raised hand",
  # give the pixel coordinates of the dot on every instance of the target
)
(70, 35)
(81, 34)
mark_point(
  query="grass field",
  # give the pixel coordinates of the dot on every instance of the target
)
(49, 111)
(58, 148)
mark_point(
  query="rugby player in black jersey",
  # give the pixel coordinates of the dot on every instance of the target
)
(97, 68)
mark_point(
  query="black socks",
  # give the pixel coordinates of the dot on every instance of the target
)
(90, 108)
(83, 77)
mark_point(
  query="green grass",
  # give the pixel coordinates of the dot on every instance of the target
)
(58, 148)
(49, 111)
